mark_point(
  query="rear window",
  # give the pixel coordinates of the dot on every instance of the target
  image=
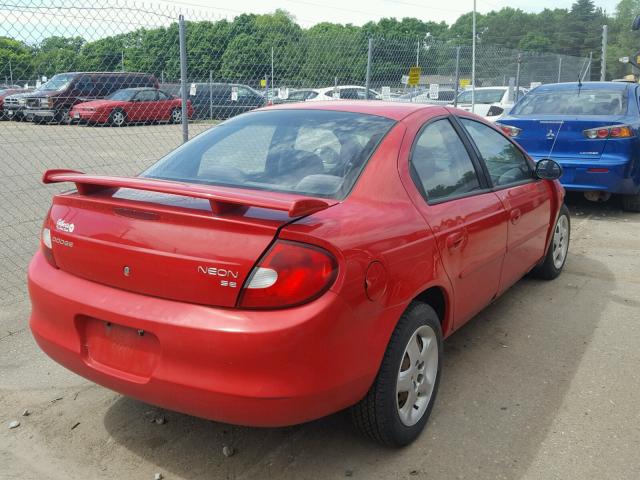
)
(310, 152)
(482, 96)
(573, 102)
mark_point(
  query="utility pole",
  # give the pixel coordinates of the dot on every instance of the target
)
(367, 82)
(473, 62)
(272, 73)
(603, 59)
(10, 72)
(418, 55)
(122, 59)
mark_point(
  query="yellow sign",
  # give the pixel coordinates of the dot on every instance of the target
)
(465, 82)
(414, 76)
(263, 82)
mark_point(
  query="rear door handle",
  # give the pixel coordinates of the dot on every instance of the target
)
(455, 240)
(515, 215)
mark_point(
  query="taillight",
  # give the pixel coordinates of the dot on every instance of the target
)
(46, 242)
(289, 274)
(509, 130)
(613, 131)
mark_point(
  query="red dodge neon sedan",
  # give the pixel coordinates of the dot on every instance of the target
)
(131, 105)
(295, 261)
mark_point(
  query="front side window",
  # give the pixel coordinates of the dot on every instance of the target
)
(442, 164)
(312, 152)
(124, 95)
(146, 96)
(506, 164)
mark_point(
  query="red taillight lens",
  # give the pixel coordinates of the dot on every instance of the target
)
(290, 274)
(615, 131)
(46, 243)
(508, 130)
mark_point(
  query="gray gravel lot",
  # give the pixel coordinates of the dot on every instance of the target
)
(544, 384)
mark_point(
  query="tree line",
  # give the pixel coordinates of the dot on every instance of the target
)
(241, 49)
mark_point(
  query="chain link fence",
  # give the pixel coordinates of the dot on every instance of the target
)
(110, 87)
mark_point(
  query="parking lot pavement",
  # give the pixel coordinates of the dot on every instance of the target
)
(544, 384)
(27, 150)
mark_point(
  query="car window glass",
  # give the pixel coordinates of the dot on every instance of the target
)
(441, 162)
(311, 152)
(506, 164)
(146, 96)
(243, 92)
(163, 96)
(321, 142)
(578, 102)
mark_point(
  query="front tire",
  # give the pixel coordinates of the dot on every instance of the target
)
(631, 203)
(398, 404)
(556, 256)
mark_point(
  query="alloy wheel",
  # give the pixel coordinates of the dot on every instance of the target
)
(417, 375)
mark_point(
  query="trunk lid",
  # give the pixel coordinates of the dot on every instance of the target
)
(539, 134)
(156, 242)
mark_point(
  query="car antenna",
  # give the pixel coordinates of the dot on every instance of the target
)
(555, 138)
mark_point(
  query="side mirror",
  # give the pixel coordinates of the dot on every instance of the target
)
(547, 169)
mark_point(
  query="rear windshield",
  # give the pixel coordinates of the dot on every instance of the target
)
(482, 96)
(311, 152)
(573, 102)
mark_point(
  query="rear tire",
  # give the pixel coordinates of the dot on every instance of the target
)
(556, 256)
(117, 118)
(398, 404)
(631, 203)
(176, 116)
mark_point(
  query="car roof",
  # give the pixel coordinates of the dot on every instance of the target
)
(392, 110)
(568, 86)
(339, 87)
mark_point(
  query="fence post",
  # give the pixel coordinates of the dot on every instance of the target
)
(210, 94)
(368, 79)
(455, 99)
(559, 68)
(517, 95)
(183, 78)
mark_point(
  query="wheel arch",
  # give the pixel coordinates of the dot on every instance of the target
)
(437, 298)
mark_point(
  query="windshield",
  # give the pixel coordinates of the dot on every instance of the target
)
(312, 152)
(57, 82)
(573, 102)
(482, 96)
(123, 95)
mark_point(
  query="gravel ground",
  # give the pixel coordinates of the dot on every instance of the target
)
(544, 384)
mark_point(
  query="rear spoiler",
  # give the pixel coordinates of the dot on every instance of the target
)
(221, 199)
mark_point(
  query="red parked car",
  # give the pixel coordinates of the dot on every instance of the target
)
(295, 261)
(131, 105)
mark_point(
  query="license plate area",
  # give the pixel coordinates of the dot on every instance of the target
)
(118, 350)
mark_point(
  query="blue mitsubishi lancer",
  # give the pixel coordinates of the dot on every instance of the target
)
(592, 129)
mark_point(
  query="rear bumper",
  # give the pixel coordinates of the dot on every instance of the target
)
(242, 367)
(608, 174)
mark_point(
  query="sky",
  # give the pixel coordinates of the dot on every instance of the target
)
(33, 20)
(310, 12)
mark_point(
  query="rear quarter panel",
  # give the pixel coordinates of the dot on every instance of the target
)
(376, 223)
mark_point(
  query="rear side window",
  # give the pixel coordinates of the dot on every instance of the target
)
(312, 152)
(506, 164)
(442, 164)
